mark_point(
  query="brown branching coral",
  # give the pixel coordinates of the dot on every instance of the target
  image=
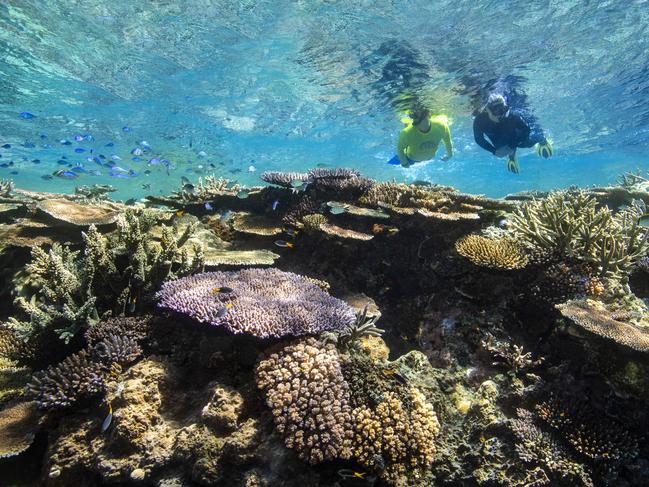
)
(313, 222)
(398, 441)
(510, 355)
(81, 375)
(135, 327)
(305, 389)
(569, 224)
(592, 435)
(559, 282)
(295, 214)
(596, 319)
(536, 447)
(503, 253)
(403, 195)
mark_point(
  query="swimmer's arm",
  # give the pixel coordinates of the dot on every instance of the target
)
(478, 135)
(448, 142)
(401, 151)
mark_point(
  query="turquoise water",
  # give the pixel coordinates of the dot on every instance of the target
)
(288, 85)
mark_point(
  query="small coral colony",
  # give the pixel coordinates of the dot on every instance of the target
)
(325, 329)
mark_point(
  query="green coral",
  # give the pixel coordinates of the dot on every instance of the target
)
(569, 225)
(115, 274)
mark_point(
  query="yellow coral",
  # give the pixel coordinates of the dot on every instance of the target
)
(403, 438)
(502, 253)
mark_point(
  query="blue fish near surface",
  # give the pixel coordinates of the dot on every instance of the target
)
(110, 144)
(79, 168)
(27, 115)
(6, 146)
(78, 138)
(208, 206)
(65, 142)
(137, 152)
(154, 162)
(79, 150)
(29, 145)
(66, 174)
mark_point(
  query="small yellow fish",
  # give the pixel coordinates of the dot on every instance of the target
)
(360, 475)
(180, 213)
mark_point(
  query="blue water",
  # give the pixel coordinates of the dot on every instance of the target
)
(286, 85)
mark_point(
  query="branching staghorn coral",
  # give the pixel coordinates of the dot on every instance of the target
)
(6, 187)
(115, 274)
(569, 225)
(510, 355)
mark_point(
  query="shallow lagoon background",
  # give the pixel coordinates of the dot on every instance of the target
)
(289, 85)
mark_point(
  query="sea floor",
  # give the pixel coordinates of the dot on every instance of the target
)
(325, 330)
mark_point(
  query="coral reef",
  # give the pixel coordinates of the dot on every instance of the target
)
(313, 222)
(501, 253)
(304, 387)
(592, 435)
(569, 224)
(134, 327)
(117, 273)
(284, 179)
(96, 192)
(536, 447)
(79, 214)
(595, 318)
(399, 441)
(18, 426)
(263, 303)
(6, 187)
(81, 375)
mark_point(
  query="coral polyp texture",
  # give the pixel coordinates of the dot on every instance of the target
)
(82, 375)
(396, 439)
(263, 303)
(304, 387)
(18, 426)
(595, 318)
(592, 435)
(502, 253)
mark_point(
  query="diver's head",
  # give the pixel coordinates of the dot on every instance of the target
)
(418, 114)
(496, 106)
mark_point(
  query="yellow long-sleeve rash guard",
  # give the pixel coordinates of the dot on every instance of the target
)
(415, 145)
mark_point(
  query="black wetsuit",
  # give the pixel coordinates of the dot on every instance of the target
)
(513, 130)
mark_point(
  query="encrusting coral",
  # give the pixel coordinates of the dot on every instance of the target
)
(503, 253)
(307, 393)
(117, 273)
(81, 375)
(568, 224)
(262, 303)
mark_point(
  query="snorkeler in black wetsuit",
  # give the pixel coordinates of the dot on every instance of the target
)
(500, 130)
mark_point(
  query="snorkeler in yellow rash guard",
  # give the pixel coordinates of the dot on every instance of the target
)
(420, 139)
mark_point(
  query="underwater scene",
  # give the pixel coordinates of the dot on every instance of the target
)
(324, 243)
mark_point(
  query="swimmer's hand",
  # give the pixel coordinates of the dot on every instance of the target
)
(503, 151)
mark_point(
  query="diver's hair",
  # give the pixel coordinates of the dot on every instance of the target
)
(418, 112)
(496, 99)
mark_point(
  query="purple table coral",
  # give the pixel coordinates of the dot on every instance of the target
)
(263, 303)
